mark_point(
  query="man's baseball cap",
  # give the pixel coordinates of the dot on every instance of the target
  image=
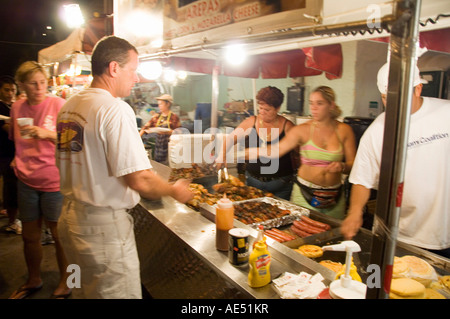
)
(166, 97)
(383, 77)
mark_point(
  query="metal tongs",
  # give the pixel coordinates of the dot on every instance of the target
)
(222, 175)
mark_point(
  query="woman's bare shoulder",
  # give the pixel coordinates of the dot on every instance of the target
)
(248, 122)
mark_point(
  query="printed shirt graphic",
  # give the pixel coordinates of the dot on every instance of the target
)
(70, 136)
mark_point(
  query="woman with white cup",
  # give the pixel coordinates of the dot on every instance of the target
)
(33, 130)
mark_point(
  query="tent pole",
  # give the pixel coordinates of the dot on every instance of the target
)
(215, 94)
(404, 38)
(314, 31)
(255, 104)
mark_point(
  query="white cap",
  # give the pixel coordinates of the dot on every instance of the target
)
(383, 77)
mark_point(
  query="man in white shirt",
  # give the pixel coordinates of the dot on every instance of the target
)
(425, 211)
(104, 172)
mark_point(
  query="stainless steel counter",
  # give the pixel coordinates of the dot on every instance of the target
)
(176, 247)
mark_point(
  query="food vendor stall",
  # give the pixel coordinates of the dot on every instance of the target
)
(68, 62)
(176, 246)
(188, 236)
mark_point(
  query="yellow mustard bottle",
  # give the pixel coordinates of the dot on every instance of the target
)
(259, 262)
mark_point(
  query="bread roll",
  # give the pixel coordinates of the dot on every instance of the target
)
(420, 270)
(334, 266)
(310, 251)
(401, 268)
(407, 288)
(433, 294)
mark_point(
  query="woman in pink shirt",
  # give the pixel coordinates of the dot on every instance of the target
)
(38, 176)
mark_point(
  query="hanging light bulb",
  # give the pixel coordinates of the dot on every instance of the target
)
(182, 75)
(151, 70)
(170, 75)
(235, 54)
(73, 16)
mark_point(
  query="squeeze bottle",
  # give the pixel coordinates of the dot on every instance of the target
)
(261, 236)
(259, 262)
(224, 222)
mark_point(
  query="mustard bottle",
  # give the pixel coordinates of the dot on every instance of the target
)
(259, 262)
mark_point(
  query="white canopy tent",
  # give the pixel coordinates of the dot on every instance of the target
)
(64, 49)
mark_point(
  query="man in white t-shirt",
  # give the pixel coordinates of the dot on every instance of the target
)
(425, 210)
(104, 172)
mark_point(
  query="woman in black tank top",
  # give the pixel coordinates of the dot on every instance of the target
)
(274, 176)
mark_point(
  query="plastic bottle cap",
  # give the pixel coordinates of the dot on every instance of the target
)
(260, 245)
(224, 203)
(352, 290)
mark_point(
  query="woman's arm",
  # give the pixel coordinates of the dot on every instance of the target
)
(147, 125)
(40, 133)
(349, 148)
(291, 141)
(229, 141)
(348, 144)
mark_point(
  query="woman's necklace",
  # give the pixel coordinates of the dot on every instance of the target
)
(268, 130)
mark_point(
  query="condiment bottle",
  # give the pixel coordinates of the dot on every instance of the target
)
(259, 262)
(224, 222)
(353, 272)
(260, 236)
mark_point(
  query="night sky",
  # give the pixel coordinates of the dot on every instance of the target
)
(23, 25)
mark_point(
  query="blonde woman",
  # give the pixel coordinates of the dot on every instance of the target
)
(39, 194)
(327, 150)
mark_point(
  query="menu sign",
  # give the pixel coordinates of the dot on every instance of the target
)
(182, 17)
(144, 22)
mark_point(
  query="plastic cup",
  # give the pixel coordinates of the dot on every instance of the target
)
(24, 121)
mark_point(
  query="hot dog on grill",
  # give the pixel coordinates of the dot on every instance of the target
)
(299, 232)
(315, 223)
(274, 236)
(306, 227)
(283, 234)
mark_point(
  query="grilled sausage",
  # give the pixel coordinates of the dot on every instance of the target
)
(315, 223)
(299, 232)
(306, 227)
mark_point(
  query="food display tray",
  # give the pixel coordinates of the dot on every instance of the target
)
(295, 212)
(209, 212)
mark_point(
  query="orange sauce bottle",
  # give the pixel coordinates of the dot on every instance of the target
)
(224, 222)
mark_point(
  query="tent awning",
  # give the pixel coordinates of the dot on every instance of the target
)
(80, 40)
(435, 40)
(276, 65)
(62, 50)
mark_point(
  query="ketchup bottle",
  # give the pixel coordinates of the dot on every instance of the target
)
(224, 222)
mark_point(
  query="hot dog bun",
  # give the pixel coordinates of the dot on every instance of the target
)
(310, 251)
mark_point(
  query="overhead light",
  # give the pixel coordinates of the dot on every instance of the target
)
(158, 43)
(73, 16)
(144, 25)
(235, 54)
(151, 70)
(182, 75)
(170, 75)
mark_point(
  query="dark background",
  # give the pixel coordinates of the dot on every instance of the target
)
(23, 23)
